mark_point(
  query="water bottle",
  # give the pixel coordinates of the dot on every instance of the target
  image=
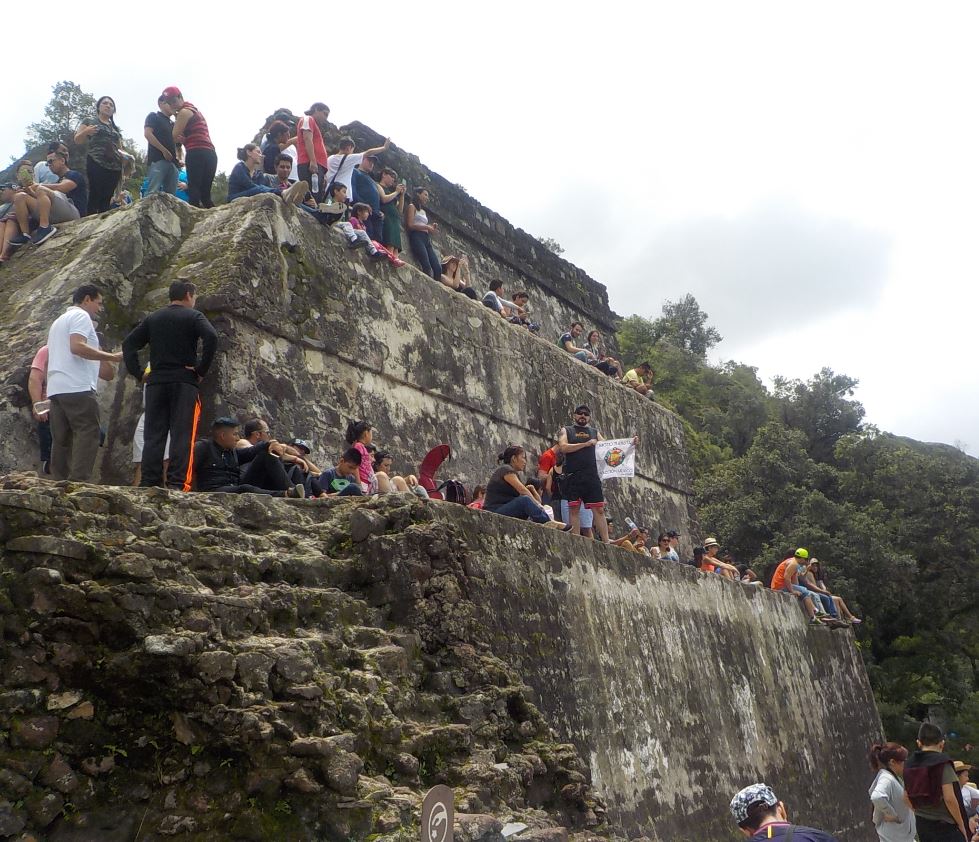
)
(314, 183)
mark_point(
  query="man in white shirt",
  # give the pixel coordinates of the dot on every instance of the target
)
(340, 167)
(75, 364)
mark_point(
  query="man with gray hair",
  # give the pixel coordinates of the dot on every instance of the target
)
(760, 815)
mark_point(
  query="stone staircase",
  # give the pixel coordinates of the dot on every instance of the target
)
(237, 667)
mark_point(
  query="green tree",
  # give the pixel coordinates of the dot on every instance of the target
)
(68, 105)
(684, 324)
(822, 408)
(551, 244)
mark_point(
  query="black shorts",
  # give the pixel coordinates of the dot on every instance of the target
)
(584, 488)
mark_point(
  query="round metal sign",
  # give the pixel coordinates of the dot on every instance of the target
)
(437, 815)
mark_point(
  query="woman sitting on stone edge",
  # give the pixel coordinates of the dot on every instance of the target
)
(507, 495)
(246, 174)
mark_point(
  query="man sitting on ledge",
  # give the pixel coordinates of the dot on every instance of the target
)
(217, 465)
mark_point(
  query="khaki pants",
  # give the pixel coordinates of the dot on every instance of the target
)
(75, 433)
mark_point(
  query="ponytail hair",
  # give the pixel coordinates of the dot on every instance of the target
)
(508, 454)
(355, 429)
(882, 754)
(244, 150)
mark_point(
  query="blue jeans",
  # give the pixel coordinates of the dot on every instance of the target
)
(420, 243)
(825, 599)
(254, 190)
(522, 507)
(162, 177)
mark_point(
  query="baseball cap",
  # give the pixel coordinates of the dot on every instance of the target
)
(173, 90)
(305, 445)
(754, 794)
(582, 408)
(802, 552)
(224, 421)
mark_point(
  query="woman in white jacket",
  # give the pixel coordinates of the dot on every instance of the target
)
(893, 816)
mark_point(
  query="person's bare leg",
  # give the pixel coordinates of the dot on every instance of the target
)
(23, 205)
(10, 229)
(399, 484)
(137, 474)
(383, 483)
(842, 609)
(43, 208)
(575, 512)
(601, 524)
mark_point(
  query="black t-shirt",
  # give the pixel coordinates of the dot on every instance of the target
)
(163, 129)
(78, 196)
(498, 490)
(580, 461)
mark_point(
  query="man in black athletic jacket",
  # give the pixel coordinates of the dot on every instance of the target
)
(219, 465)
(173, 405)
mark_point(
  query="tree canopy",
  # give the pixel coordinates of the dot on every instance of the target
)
(895, 522)
(65, 110)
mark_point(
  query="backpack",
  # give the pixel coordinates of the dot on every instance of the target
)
(454, 492)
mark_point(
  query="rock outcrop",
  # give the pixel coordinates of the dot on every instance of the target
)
(230, 667)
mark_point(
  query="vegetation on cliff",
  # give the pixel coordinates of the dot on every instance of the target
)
(895, 521)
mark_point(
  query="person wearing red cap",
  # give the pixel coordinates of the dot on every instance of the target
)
(190, 131)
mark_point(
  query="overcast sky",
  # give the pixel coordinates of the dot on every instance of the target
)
(808, 171)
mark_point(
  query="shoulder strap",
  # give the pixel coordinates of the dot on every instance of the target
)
(790, 833)
(329, 186)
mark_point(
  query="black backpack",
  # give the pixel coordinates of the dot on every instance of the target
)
(454, 492)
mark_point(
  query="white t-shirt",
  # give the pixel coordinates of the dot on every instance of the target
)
(345, 176)
(67, 372)
(292, 153)
(43, 174)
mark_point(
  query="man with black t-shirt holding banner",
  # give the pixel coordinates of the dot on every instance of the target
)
(583, 487)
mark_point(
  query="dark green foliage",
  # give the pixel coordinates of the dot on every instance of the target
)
(68, 105)
(895, 522)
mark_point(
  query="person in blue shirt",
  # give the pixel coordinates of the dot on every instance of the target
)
(246, 178)
(343, 479)
(365, 190)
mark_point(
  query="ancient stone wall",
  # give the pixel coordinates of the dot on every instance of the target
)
(314, 335)
(560, 291)
(247, 668)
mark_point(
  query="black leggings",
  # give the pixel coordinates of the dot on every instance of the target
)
(102, 184)
(202, 164)
(420, 243)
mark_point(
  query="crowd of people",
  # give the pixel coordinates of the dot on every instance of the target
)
(924, 793)
(916, 796)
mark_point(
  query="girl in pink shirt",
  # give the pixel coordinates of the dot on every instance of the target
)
(360, 434)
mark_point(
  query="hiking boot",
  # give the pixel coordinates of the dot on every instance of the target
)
(356, 243)
(42, 234)
(298, 490)
(833, 623)
(296, 193)
(377, 255)
(18, 241)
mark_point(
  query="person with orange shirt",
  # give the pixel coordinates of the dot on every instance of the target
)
(786, 579)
